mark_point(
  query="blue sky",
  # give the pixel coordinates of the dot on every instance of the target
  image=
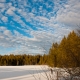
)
(31, 26)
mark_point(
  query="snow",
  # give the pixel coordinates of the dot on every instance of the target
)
(32, 72)
(29, 72)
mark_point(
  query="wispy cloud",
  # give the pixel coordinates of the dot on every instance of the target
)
(4, 19)
(2, 0)
(69, 14)
(31, 26)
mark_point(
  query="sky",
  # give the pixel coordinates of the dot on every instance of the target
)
(31, 26)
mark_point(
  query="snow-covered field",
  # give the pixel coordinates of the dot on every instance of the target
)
(32, 72)
(23, 72)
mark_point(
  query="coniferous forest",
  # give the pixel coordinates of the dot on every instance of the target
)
(63, 54)
(67, 53)
(16, 60)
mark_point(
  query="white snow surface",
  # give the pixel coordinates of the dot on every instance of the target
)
(29, 72)
(32, 72)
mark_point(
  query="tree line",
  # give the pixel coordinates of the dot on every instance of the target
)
(64, 54)
(16, 60)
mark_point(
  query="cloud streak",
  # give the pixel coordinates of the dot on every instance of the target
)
(32, 26)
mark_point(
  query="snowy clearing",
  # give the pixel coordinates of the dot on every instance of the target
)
(32, 72)
(22, 72)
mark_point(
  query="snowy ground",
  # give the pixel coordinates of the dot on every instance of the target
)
(23, 72)
(32, 72)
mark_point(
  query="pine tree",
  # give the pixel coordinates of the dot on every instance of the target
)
(53, 55)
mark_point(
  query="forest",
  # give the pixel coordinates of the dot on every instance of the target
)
(67, 53)
(16, 60)
(63, 54)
